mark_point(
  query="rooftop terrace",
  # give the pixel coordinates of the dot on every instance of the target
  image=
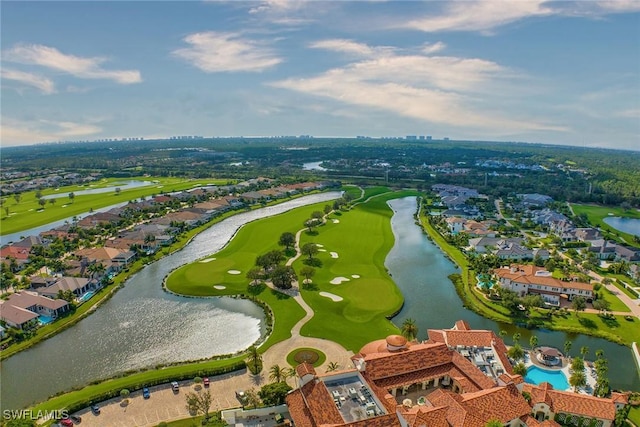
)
(353, 398)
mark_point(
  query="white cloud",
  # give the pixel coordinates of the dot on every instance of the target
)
(633, 113)
(437, 89)
(45, 85)
(428, 48)
(214, 52)
(86, 68)
(17, 132)
(480, 15)
(619, 6)
(486, 15)
(342, 45)
(276, 6)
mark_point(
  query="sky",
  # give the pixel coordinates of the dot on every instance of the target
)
(554, 72)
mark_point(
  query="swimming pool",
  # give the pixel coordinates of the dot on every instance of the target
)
(45, 320)
(537, 375)
(86, 296)
(484, 281)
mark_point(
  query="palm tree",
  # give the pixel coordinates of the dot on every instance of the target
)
(584, 350)
(332, 366)
(96, 269)
(277, 374)
(502, 333)
(516, 338)
(599, 353)
(533, 341)
(409, 329)
(567, 347)
(254, 360)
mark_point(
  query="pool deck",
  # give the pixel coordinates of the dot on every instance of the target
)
(564, 367)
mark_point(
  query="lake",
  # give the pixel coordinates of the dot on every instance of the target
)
(626, 225)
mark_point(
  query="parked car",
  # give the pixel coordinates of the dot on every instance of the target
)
(95, 409)
(146, 393)
(76, 419)
(175, 386)
(66, 422)
(205, 381)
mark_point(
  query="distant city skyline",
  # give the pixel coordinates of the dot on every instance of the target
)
(565, 73)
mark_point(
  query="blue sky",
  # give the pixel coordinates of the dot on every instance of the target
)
(536, 71)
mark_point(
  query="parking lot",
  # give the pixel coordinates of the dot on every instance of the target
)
(164, 404)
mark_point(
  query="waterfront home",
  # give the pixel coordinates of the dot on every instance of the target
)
(529, 279)
(23, 309)
(78, 285)
(114, 260)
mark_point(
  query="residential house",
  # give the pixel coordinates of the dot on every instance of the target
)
(627, 253)
(17, 253)
(114, 260)
(99, 218)
(529, 279)
(78, 285)
(483, 245)
(23, 308)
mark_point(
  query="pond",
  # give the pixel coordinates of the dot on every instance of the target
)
(125, 185)
(626, 225)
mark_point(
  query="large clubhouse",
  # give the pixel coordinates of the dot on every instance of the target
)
(459, 377)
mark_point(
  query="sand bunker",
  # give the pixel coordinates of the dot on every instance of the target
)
(334, 298)
(336, 221)
(208, 260)
(338, 280)
(234, 271)
(355, 276)
(322, 250)
(334, 254)
(219, 287)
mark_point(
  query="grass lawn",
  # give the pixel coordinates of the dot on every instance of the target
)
(596, 215)
(291, 357)
(616, 304)
(374, 191)
(215, 421)
(28, 213)
(634, 415)
(362, 239)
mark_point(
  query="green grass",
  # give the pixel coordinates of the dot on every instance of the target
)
(374, 191)
(28, 213)
(616, 304)
(215, 421)
(362, 239)
(634, 415)
(596, 215)
(293, 362)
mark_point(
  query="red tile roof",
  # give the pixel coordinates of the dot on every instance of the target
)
(572, 403)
